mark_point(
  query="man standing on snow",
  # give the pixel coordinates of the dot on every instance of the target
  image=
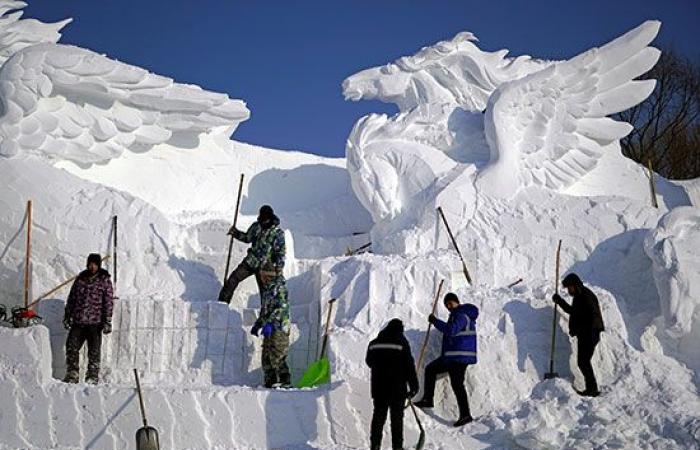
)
(393, 381)
(267, 257)
(458, 351)
(250, 264)
(88, 315)
(586, 323)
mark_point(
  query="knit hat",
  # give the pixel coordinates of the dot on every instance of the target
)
(450, 296)
(94, 258)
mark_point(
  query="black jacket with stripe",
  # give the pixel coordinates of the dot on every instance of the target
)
(393, 369)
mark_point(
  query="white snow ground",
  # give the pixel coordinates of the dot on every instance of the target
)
(85, 138)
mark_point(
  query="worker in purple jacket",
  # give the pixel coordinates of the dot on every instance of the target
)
(88, 316)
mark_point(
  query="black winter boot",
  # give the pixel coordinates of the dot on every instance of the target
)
(72, 376)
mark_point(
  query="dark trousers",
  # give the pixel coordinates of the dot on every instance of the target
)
(77, 336)
(456, 371)
(381, 407)
(586, 347)
(239, 274)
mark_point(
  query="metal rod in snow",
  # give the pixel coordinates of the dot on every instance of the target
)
(454, 244)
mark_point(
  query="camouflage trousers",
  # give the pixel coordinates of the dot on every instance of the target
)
(274, 359)
(239, 274)
(77, 336)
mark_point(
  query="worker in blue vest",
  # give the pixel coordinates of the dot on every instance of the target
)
(458, 351)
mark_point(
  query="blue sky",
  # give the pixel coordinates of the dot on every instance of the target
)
(287, 59)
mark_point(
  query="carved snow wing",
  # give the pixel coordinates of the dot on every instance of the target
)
(549, 128)
(64, 102)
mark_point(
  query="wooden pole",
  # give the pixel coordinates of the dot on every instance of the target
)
(427, 333)
(235, 220)
(58, 286)
(552, 373)
(652, 185)
(28, 255)
(114, 251)
(328, 324)
(454, 244)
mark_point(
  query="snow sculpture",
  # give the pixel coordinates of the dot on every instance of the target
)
(544, 123)
(65, 102)
(672, 247)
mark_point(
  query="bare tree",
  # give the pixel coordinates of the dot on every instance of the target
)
(667, 124)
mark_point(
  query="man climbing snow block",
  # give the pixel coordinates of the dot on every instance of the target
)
(393, 380)
(88, 315)
(586, 324)
(458, 351)
(251, 264)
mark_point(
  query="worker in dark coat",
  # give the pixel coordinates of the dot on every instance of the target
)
(458, 352)
(586, 323)
(393, 381)
(88, 315)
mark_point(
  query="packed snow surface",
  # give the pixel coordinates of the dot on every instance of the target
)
(518, 152)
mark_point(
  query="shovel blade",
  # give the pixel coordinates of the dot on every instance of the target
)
(318, 373)
(147, 439)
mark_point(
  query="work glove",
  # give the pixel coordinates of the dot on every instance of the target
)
(106, 328)
(412, 393)
(232, 231)
(267, 330)
(432, 318)
(255, 329)
(557, 298)
(67, 322)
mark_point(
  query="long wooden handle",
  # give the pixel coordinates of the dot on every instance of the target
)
(652, 185)
(554, 316)
(235, 221)
(427, 334)
(138, 389)
(454, 244)
(114, 251)
(28, 254)
(328, 323)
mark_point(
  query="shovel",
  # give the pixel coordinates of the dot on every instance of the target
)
(146, 437)
(320, 371)
(421, 437)
(552, 374)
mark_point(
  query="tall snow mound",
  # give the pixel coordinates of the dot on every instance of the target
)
(87, 138)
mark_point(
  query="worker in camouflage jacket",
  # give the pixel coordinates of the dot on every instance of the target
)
(252, 262)
(268, 256)
(88, 315)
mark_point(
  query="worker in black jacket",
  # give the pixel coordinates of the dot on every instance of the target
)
(393, 381)
(586, 323)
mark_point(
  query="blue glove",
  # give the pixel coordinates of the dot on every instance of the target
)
(267, 330)
(256, 329)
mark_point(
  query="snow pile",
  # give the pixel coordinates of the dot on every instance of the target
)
(87, 138)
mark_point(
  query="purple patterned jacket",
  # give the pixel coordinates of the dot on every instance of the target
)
(90, 300)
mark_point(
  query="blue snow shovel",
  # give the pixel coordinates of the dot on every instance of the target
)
(320, 371)
(146, 437)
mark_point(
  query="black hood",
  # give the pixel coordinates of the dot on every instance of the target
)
(572, 280)
(393, 328)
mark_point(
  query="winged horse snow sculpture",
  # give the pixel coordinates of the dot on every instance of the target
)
(64, 102)
(543, 123)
